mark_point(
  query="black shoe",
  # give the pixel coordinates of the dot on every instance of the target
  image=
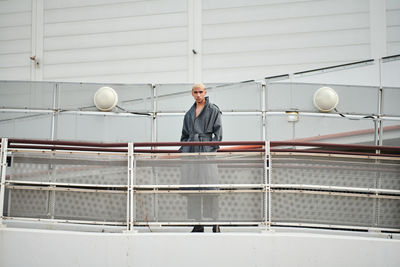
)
(216, 229)
(198, 229)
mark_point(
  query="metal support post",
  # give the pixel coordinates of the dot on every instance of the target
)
(154, 120)
(263, 109)
(3, 165)
(130, 196)
(267, 185)
(380, 107)
(268, 152)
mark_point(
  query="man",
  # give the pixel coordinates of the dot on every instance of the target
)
(202, 123)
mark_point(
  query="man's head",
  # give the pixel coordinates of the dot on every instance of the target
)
(199, 92)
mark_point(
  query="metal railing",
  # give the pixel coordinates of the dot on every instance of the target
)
(263, 184)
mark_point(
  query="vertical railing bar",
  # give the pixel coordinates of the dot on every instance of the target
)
(379, 130)
(53, 119)
(154, 122)
(128, 193)
(380, 106)
(265, 182)
(131, 185)
(269, 184)
(155, 214)
(3, 162)
(263, 95)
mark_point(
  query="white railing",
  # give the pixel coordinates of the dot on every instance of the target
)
(262, 184)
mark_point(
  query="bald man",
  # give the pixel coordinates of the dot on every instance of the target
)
(202, 123)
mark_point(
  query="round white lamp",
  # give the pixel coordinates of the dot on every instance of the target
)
(105, 98)
(325, 99)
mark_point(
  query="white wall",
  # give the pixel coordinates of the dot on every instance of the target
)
(15, 39)
(120, 41)
(152, 41)
(393, 26)
(24, 247)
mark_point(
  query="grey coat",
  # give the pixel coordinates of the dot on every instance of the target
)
(200, 169)
(206, 127)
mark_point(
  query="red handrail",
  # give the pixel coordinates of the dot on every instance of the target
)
(239, 146)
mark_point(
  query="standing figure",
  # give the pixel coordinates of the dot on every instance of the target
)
(202, 123)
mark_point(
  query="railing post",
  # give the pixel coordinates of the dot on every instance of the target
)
(130, 206)
(267, 185)
(3, 163)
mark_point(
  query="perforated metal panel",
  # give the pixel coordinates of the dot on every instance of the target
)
(27, 203)
(89, 187)
(227, 169)
(67, 168)
(207, 207)
(90, 206)
(322, 209)
(389, 213)
(344, 172)
(318, 189)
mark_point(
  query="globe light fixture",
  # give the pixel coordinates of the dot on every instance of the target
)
(105, 98)
(325, 99)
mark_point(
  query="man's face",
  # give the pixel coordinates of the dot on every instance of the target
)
(199, 94)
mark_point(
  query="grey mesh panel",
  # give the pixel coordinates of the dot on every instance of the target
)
(344, 172)
(292, 203)
(234, 169)
(89, 169)
(389, 213)
(171, 207)
(87, 206)
(84, 171)
(27, 203)
(322, 209)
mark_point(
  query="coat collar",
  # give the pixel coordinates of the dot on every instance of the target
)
(193, 108)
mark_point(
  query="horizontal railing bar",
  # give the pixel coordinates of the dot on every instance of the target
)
(67, 143)
(65, 184)
(207, 191)
(344, 194)
(330, 155)
(198, 160)
(10, 183)
(64, 189)
(222, 143)
(199, 186)
(139, 223)
(65, 152)
(72, 148)
(213, 143)
(327, 161)
(311, 151)
(371, 167)
(110, 147)
(64, 221)
(348, 146)
(336, 188)
(201, 191)
(334, 226)
(198, 144)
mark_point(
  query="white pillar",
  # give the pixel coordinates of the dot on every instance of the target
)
(377, 20)
(194, 49)
(37, 40)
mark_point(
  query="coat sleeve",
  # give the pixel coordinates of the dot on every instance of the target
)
(217, 127)
(184, 135)
(185, 130)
